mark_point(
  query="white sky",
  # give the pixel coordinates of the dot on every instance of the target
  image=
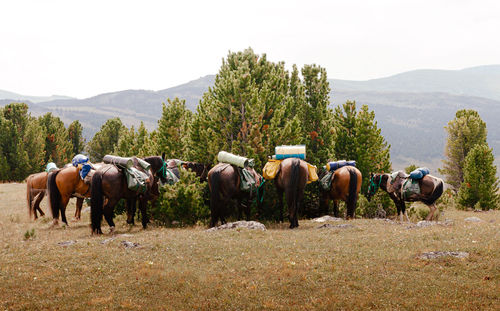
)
(84, 48)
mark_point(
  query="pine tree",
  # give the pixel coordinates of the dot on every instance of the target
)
(75, 134)
(105, 141)
(464, 132)
(480, 186)
(358, 138)
(34, 145)
(318, 116)
(58, 148)
(173, 129)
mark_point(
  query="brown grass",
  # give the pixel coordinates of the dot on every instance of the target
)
(370, 266)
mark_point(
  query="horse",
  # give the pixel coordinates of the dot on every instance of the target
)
(109, 185)
(345, 186)
(63, 184)
(200, 169)
(161, 173)
(224, 183)
(291, 179)
(36, 187)
(431, 188)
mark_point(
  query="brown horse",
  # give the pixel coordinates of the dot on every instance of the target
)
(224, 183)
(63, 184)
(200, 169)
(36, 187)
(431, 188)
(346, 185)
(109, 185)
(291, 179)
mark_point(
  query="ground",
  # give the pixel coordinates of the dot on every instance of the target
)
(371, 265)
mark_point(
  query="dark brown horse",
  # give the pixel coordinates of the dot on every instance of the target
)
(431, 189)
(200, 169)
(346, 185)
(291, 179)
(109, 185)
(224, 183)
(63, 184)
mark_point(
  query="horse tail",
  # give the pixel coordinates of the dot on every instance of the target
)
(96, 202)
(294, 182)
(438, 191)
(214, 181)
(54, 194)
(353, 195)
(29, 196)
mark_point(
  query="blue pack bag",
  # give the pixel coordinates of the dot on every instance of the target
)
(419, 173)
(79, 159)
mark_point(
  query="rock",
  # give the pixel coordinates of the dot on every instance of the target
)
(66, 243)
(106, 241)
(253, 225)
(434, 255)
(380, 213)
(473, 219)
(86, 210)
(128, 244)
(341, 226)
(326, 218)
(426, 223)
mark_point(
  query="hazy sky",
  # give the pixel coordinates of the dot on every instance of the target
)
(84, 48)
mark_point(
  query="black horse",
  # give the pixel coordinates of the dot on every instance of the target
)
(224, 182)
(109, 185)
(431, 188)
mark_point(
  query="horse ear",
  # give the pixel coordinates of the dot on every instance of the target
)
(163, 155)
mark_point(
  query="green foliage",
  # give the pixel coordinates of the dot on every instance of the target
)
(29, 234)
(75, 135)
(182, 201)
(419, 211)
(105, 141)
(480, 186)
(358, 138)
(464, 132)
(131, 143)
(173, 129)
(58, 147)
(380, 201)
(410, 168)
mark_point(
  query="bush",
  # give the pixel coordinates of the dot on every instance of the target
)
(379, 205)
(182, 202)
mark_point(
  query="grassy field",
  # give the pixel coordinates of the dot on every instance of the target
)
(371, 265)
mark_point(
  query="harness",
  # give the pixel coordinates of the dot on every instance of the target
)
(162, 169)
(374, 185)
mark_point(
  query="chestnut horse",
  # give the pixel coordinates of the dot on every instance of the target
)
(62, 184)
(431, 188)
(36, 187)
(346, 185)
(109, 185)
(224, 182)
(291, 179)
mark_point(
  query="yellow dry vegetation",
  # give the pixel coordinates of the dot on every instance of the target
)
(371, 265)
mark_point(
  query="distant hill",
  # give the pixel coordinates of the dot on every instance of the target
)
(483, 81)
(34, 99)
(411, 108)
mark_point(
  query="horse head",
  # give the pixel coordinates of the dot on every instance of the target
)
(373, 185)
(158, 167)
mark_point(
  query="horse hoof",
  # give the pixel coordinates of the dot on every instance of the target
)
(111, 230)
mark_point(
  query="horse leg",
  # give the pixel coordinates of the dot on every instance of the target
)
(336, 208)
(78, 210)
(64, 203)
(432, 207)
(246, 206)
(108, 214)
(403, 211)
(144, 213)
(131, 207)
(36, 204)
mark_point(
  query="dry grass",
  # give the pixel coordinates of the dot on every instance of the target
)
(369, 266)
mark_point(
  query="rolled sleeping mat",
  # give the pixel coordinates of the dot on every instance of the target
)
(118, 161)
(286, 156)
(226, 157)
(291, 150)
(419, 173)
(332, 166)
(145, 165)
(50, 167)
